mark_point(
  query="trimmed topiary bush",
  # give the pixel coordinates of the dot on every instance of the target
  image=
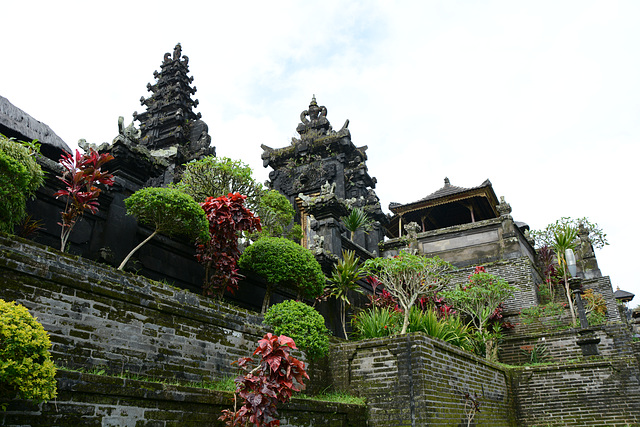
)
(301, 322)
(20, 177)
(26, 368)
(283, 262)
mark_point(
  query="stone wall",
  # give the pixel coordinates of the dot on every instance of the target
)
(97, 400)
(98, 316)
(415, 380)
(579, 394)
(518, 272)
(561, 346)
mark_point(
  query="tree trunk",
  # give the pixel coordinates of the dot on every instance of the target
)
(343, 318)
(136, 248)
(569, 298)
(267, 298)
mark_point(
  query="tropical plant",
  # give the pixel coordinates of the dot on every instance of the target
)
(546, 236)
(596, 307)
(26, 368)
(81, 176)
(167, 211)
(301, 322)
(218, 176)
(344, 280)
(408, 277)
(274, 379)
(549, 273)
(276, 217)
(20, 177)
(283, 262)
(382, 299)
(356, 220)
(376, 323)
(450, 329)
(219, 253)
(563, 240)
(479, 298)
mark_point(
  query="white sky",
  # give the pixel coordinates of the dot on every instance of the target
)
(541, 97)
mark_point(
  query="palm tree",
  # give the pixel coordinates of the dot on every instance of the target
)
(356, 220)
(563, 240)
(344, 279)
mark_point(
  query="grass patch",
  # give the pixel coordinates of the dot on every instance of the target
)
(335, 396)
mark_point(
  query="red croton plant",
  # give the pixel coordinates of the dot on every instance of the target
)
(81, 176)
(227, 217)
(262, 387)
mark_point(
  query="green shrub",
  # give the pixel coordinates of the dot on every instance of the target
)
(20, 177)
(25, 362)
(376, 322)
(168, 211)
(301, 322)
(276, 217)
(283, 262)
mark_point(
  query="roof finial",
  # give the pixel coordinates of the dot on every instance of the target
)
(446, 182)
(313, 100)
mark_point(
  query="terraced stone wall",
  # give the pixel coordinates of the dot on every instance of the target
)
(98, 316)
(96, 400)
(579, 394)
(415, 380)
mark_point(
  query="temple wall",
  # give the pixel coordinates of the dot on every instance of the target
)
(415, 380)
(97, 400)
(579, 394)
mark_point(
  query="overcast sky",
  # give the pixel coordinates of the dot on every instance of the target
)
(541, 97)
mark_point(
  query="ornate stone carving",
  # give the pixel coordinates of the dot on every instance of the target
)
(504, 208)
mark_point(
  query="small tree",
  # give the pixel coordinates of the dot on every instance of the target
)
(167, 211)
(26, 368)
(356, 220)
(303, 324)
(273, 380)
(563, 239)
(546, 236)
(408, 277)
(219, 252)
(276, 217)
(346, 274)
(81, 176)
(218, 176)
(479, 299)
(20, 177)
(283, 262)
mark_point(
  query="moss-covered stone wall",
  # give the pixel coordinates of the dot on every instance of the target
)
(599, 393)
(98, 316)
(97, 400)
(415, 380)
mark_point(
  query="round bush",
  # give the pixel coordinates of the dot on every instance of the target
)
(25, 362)
(284, 262)
(20, 177)
(301, 322)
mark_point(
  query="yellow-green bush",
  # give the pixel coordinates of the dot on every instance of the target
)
(20, 177)
(26, 369)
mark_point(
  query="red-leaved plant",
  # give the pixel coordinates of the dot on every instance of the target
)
(81, 176)
(227, 217)
(262, 387)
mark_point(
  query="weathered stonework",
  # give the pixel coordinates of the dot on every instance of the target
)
(97, 400)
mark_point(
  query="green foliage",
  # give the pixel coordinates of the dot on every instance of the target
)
(376, 323)
(408, 277)
(537, 354)
(276, 217)
(480, 297)
(383, 322)
(20, 177)
(344, 280)
(283, 262)
(167, 211)
(551, 312)
(356, 220)
(25, 362)
(596, 307)
(450, 328)
(301, 322)
(218, 176)
(546, 236)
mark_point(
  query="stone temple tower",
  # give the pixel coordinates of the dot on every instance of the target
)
(325, 175)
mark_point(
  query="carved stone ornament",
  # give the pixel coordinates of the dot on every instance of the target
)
(504, 208)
